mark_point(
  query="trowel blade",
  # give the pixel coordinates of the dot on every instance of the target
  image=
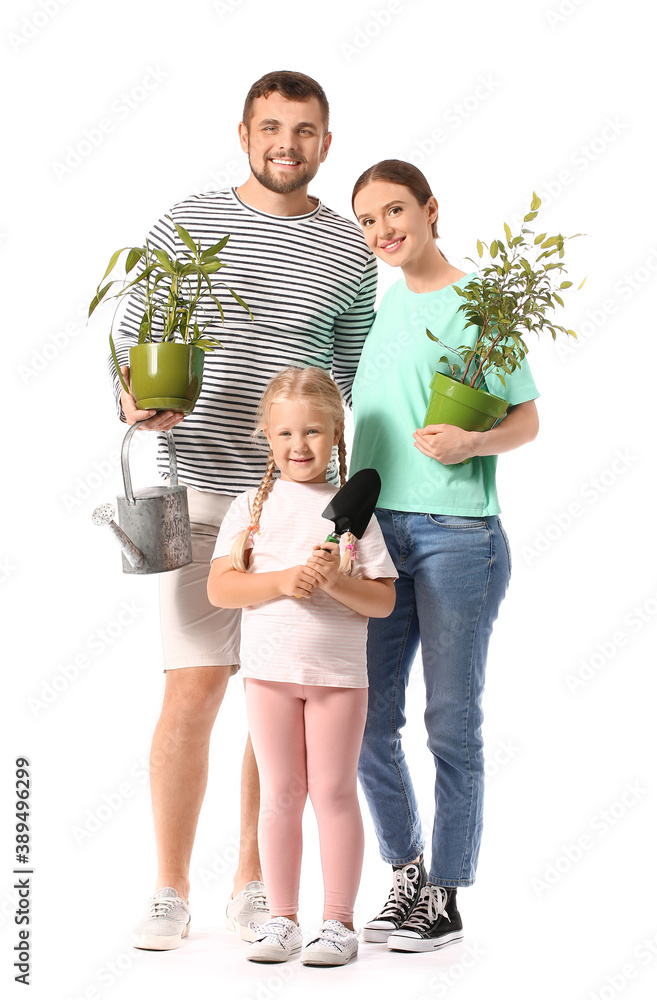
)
(352, 506)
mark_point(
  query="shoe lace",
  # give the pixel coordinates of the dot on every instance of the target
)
(162, 907)
(404, 883)
(429, 907)
(257, 898)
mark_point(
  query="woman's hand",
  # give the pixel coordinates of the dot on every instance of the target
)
(446, 443)
(297, 581)
(324, 564)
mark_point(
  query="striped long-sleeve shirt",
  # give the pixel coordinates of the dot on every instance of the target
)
(310, 284)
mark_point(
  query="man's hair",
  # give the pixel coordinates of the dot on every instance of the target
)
(292, 86)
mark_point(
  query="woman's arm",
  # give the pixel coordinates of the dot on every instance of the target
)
(370, 598)
(230, 588)
(450, 445)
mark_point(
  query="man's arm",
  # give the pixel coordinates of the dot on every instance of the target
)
(350, 330)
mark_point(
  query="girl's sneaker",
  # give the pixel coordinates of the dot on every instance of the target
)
(335, 944)
(276, 941)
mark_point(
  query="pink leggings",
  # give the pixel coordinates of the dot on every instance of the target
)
(306, 741)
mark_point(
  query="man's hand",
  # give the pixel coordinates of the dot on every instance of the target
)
(324, 564)
(154, 420)
(296, 582)
(446, 443)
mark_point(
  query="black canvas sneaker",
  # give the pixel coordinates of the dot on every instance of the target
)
(407, 881)
(434, 922)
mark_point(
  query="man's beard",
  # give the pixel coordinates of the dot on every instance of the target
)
(282, 185)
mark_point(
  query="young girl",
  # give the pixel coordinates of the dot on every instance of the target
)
(304, 629)
(440, 521)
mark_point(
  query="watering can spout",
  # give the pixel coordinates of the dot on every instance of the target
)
(105, 515)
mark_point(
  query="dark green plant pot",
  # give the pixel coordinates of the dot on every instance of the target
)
(166, 376)
(451, 402)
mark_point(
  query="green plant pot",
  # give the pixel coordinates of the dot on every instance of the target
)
(452, 402)
(166, 376)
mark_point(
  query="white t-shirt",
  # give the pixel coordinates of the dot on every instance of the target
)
(304, 641)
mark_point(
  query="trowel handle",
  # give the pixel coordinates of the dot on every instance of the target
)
(333, 538)
(125, 465)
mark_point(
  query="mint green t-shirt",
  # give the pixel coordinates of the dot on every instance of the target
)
(390, 395)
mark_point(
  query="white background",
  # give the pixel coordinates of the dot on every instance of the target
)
(554, 97)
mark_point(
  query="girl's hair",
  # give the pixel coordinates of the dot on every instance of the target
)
(310, 387)
(406, 174)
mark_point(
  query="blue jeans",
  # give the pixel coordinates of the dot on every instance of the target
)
(453, 574)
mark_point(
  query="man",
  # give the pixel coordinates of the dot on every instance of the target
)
(309, 280)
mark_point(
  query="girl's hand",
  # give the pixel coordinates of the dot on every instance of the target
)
(297, 582)
(446, 443)
(324, 564)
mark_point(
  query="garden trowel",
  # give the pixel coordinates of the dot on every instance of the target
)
(352, 506)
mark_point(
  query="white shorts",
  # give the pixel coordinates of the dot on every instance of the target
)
(194, 632)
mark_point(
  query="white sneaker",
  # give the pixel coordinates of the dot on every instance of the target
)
(277, 940)
(335, 944)
(165, 923)
(248, 907)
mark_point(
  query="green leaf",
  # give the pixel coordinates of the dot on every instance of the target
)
(480, 249)
(165, 261)
(117, 365)
(558, 298)
(493, 248)
(507, 230)
(239, 300)
(536, 202)
(539, 239)
(135, 255)
(215, 249)
(582, 285)
(98, 297)
(565, 284)
(431, 337)
(185, 237)
(528, 218)
(113, 259)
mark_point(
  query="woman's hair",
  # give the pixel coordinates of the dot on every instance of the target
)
(399, 172)
(312, 387)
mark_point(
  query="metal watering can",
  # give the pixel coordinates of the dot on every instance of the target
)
(154, 532)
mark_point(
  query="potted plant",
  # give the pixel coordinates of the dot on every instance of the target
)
(515, 294)
(166, 365)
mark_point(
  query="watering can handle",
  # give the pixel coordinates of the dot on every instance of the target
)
(125, 466)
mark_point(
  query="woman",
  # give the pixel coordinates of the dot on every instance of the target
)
(441, 525)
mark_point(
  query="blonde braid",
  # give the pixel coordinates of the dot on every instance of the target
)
(346, 560)
(238, 548)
